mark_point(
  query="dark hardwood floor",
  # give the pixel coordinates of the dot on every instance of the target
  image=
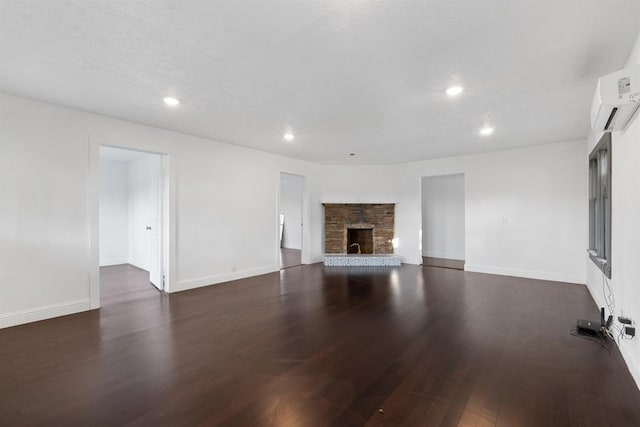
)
(122, 283)
(290, 257)
(316, 346)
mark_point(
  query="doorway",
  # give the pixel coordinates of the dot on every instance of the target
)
(290, 216)
(443, 221)
(131, 205)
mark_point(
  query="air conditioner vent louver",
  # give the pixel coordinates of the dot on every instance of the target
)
(612, 117)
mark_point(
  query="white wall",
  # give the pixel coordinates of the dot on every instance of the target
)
(443, 223)
(634, 56)
(358, 184)
(541, 190)
(43, 219)
(46, 226)
(291, 187)
(225, 223)
(114, 213)
(625, 225)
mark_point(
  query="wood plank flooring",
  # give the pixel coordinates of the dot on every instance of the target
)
(122, 283)
(318, 346)
(290, 257)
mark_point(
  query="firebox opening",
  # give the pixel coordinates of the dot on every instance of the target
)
(360, 237)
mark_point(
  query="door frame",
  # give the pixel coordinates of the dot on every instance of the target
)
(168, 234)
(305, 215)
(161, 158)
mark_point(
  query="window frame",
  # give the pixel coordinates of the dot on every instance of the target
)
(600, 205)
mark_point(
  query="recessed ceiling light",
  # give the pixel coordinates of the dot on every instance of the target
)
(486, 131)
(454, 90)
(171, 101)
(289, 136)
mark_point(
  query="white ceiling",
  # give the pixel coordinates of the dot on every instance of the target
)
(120, 155)
(346, 76)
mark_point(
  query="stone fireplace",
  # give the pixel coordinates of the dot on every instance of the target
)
(369, 225)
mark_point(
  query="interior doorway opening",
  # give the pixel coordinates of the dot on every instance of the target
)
(291, 219)
(131, 223)
(443, 221)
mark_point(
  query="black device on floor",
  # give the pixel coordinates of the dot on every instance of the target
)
(590, 327)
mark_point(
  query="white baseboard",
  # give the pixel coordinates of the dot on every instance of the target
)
(114, 261)
(527, 274)
(183, 285)
(41, 313)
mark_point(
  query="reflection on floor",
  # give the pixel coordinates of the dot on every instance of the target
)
(120, 283)
(290, 257)
(456, 264)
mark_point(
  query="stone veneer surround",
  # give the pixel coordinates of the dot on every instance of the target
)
(338, 217)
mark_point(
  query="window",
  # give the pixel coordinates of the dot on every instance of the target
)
(600, 205)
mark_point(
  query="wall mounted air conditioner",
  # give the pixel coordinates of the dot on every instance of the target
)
(616, 100)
